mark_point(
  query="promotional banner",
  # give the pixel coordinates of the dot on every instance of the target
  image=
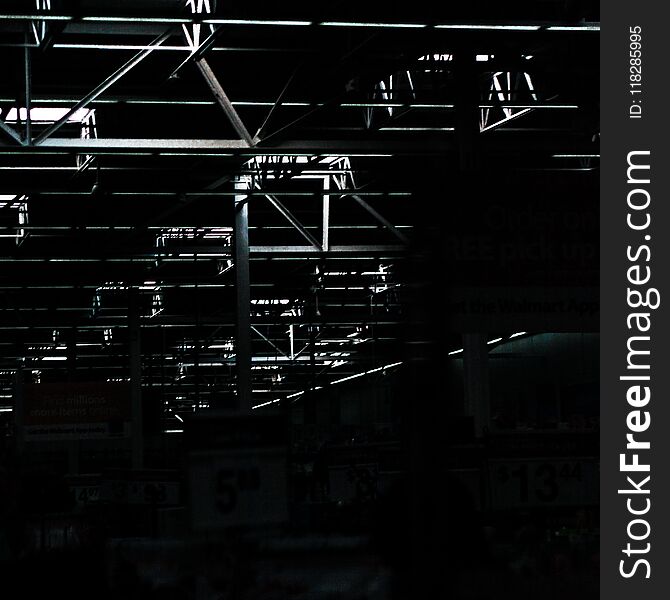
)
(55, 411)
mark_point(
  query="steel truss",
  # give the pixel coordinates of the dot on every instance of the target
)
(293, 284)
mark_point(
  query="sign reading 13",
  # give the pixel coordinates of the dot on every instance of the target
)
(537, 482)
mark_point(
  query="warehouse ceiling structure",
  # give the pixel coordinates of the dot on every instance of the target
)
(223, 194)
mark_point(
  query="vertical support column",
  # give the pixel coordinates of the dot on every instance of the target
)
(291, 340)
(467, 108)
(476, 371)
(243, 297)
(134, 352)
(325, 242)
(71, 356)
(71, 353)
(425, 418)
(19, 411)
(27, 90)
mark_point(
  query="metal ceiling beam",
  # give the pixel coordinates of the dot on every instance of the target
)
(119, 322)
(369, 249)
(224, 102)
(437, 144)
(188, 254)
(105, 85)
(130, 145)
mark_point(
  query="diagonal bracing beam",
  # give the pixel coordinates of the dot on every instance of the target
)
(277, 348)
(199, 52)
(383, 220)
(10, 132)
(276, 105)
(224, 102)
(293, 221)
(105, 85)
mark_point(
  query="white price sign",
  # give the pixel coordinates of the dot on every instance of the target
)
(237, 487)
(85, 494)
(516, 483)
(141, 492)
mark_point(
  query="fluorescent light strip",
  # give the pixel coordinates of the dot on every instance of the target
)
(529, 106)
(256, 22)
(54, 358)
(295, 395)
(133, 19)
(348, 378)
(490, 27)
(38, 167)
(266, 404)
(179, 418)
(416, 129)
(318, 387)
(264, 103)
(205, 364)
(173, 431)
(120, 47)
(575, 155)
(372, 105)
(494, 341)
(585, 27)
(383, 25)
(5, 410)
(44, 17)
(364, 373)
(506, 120)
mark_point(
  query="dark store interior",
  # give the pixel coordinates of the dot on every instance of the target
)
(299, 301)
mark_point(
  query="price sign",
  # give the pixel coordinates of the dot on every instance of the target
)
(517, 483)
(237, 489)
(85, 494)
(237, 472)
(142, 492)
(84, 489)
(141, 487)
